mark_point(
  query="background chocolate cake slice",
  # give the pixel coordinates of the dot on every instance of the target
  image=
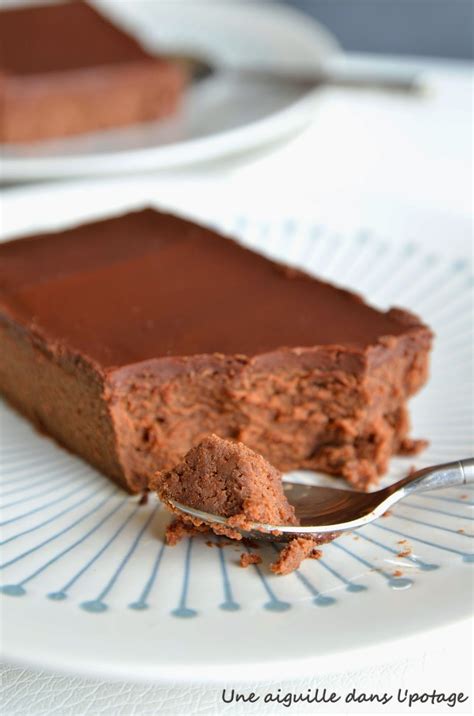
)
(65, 69)
(131, 339)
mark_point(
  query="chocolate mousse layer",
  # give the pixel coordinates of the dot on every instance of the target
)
(131, 339)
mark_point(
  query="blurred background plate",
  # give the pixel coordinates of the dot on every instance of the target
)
(220, 116)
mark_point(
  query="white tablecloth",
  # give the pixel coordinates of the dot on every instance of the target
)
(361, 145)
(447, 668)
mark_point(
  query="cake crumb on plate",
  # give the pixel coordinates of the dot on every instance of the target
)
(178, 530)
(404, 553)
(293, 554)
(247, 558)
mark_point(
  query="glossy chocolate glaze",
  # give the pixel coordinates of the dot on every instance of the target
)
(59, 37)
(148, 285)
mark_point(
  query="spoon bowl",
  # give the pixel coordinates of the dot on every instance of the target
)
(324, 512)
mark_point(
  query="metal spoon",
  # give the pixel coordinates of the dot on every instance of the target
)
(323, 510)
(199, 67)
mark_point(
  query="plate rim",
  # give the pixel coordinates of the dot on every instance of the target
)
(339, 659)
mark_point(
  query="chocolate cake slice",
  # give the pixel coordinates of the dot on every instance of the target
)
(227, 479)
(131, 339)
(65, 69)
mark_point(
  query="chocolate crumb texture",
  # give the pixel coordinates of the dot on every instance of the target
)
(404, 553)
(293, 554)
(248, 558)
(251, 543)
(221, 544)
(178, 530)
(408, 446)
(143, 498)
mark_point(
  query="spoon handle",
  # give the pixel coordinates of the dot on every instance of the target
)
(308, 78)
(450, 474)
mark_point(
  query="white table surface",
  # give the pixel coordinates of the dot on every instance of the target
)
(361, 146)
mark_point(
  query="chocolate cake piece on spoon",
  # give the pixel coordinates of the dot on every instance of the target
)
(226, 478)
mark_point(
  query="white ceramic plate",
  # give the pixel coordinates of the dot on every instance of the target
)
(88, 584)
(220, 116)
